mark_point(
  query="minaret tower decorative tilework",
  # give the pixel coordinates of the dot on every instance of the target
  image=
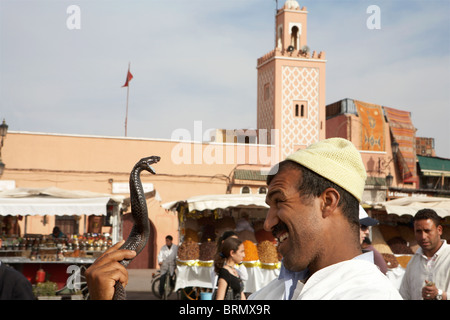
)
(291, 85)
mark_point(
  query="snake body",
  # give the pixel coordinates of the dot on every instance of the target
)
(141, 229)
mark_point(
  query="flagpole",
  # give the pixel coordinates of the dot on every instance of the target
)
(276, 12)
(128, 94)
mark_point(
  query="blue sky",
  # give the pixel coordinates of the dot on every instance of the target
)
(196, 60)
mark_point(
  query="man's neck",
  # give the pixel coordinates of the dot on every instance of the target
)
(334, 255)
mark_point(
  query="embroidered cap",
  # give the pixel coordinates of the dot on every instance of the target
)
(337, 160)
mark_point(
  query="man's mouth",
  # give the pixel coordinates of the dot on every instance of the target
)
(280, 231)
(281, 238)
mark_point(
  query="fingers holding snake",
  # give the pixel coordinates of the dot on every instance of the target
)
(103, 274)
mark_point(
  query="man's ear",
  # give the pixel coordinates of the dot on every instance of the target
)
(330, 200)
(439, 229)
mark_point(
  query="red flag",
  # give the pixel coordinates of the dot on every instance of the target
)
(129, 77)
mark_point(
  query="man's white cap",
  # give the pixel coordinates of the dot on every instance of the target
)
(337, 160)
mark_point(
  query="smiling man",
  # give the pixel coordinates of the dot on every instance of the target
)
(314, 198)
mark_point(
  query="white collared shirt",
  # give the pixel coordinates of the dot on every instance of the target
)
(166, 253)
(421, 268)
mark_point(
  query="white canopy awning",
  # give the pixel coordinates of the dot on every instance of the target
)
(222, 201)
(410, 205)
(54, 201)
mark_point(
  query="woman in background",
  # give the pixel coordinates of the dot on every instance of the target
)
(229, 286)
(241, 269)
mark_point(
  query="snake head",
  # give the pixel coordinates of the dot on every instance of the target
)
(145, 163)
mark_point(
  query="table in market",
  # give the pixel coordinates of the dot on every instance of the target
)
(58, 271)
(196, 273)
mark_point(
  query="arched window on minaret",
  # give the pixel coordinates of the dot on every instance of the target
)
(295, 37)
(280, 37)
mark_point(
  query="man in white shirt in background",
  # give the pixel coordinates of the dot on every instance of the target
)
(167, 261)
(314, 198)
(428, 273)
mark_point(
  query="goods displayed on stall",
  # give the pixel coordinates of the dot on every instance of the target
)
(201, 230)
(251, 251)
(268, 253)
(189, 250)
(37, 247)
(202, 222)
(207, 250)
(200, 234)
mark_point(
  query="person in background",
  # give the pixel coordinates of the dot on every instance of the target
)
(57, 233)
(167, 261)
(241, 269)
(14, 285)
(427, 275)
(244, 224)
(365, 222)
(229, 286)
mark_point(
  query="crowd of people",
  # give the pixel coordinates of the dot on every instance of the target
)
(314, 212)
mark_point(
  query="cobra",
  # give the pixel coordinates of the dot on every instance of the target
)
(140, 231)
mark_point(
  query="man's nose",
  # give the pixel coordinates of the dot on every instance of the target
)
(420, 235)
(271, 220)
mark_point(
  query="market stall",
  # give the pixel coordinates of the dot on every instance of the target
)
(31, 252)
(203, 219)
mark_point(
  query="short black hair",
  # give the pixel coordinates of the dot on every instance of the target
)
(312, 184)
(227, 234)
(425, 214)
(169, 237)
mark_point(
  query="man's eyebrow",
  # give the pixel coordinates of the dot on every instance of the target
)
(272, 193)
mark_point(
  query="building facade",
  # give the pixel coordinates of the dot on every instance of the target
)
(291, 85)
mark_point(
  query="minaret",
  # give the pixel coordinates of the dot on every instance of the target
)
(291, 85)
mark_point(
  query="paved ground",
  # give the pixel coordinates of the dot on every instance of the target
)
(139, 285)
(139, 295)
(139, 280)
